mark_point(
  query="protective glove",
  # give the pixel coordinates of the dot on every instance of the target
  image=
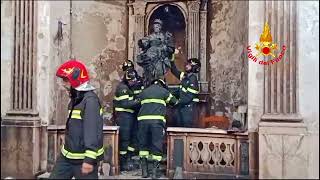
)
(172, 57)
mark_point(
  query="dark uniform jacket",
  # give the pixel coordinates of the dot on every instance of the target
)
(137, 88)
(123, 100)
(84, 131)
(153, 103)
(189, 87)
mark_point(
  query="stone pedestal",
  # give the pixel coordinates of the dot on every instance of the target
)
(20, 146)
(283, 150)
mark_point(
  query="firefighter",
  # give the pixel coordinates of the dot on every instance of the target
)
(137, 89)
(188, 91)
(151, 123)
(124, 105)
(83, 147)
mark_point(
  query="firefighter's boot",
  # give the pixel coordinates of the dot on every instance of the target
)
(130, 163)
(135, 161)
(155, 169)
(144, 167)
(123, 162)
(150, 165)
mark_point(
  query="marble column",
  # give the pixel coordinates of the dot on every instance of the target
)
(20, 137)
(193, 29)
(280, 82)
(24, 66)
(131, 29)
(139, 14)
(283, 151)
(203, 46)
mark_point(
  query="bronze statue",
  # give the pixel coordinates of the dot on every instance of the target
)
(156, 52)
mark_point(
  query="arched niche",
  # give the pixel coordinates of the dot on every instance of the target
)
(174, 21)
(152, 7)
(195, 15)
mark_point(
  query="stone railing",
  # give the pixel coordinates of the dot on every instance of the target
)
(207, 153)
(110, 141)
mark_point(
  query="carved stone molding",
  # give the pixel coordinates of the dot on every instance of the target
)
(193, 6)
(283, 150)
(139, 8)
(212, 153)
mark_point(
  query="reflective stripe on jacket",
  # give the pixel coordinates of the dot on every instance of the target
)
(123, 100)
(189, 87)
(153, 103)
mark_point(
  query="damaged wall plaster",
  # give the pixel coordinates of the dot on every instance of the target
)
(228, 23)
(99, 39)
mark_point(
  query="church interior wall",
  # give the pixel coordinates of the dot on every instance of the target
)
(228, 65)
(99, 38)
(308, 72)
(97, 34)
(7, 36)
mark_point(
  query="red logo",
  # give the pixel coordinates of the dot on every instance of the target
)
(266, 48)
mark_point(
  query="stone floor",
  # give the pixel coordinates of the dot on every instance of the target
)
(136, 174)
(123, 175)
(129, 175)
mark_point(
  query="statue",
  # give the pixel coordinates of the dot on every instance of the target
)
(155, 53)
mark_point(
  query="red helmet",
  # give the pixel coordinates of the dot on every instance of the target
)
(75, 71)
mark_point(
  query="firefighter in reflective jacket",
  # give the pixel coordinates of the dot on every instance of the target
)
(136, 89)
(83, 147)
(188, 91)
(151, 123)
(124, 105)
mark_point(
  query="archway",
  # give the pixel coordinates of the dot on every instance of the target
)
(173, 22)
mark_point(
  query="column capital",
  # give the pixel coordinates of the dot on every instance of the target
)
(139, 7)
(193, 6)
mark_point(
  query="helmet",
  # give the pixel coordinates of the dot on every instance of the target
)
(160, 82)
(195, 64)
(127, 65)
(76, 73)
